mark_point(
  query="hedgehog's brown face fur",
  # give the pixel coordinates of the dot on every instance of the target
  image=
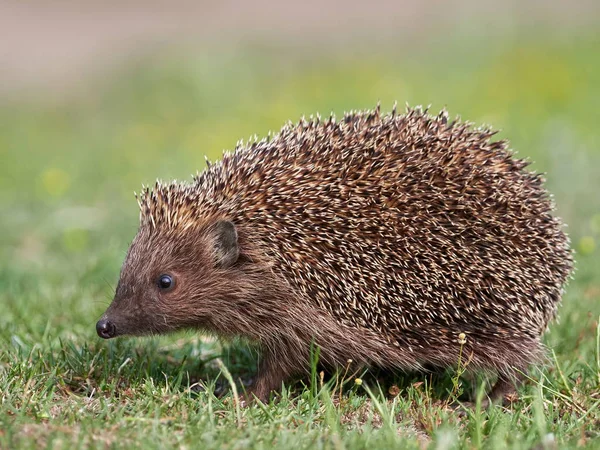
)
(174, 279)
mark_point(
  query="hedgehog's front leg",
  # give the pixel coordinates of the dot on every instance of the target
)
(274, 368)
(269, 378)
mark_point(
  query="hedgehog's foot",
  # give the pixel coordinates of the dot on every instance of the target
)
(503, 393)
(271, 374)
(262, 388)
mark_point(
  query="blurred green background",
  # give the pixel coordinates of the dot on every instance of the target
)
(76, 143)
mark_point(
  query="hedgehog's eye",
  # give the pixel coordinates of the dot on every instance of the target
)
(166, 282)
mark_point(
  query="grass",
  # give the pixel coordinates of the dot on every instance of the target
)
(66, 182)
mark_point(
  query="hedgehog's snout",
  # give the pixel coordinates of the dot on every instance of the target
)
(106, 329)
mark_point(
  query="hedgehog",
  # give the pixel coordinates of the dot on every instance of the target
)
(396, 241)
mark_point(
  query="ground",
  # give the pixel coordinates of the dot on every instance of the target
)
(71, 163)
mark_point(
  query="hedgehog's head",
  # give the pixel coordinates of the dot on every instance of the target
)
(178, 273)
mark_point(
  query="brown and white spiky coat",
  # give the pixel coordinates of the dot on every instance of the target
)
(378, 238)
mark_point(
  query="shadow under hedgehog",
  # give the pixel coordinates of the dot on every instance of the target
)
(380, 238)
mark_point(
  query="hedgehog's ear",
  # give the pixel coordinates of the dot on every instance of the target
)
(226, 248)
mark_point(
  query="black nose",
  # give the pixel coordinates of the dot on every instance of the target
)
(105, 329)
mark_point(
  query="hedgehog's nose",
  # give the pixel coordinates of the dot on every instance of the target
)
(106, 329)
